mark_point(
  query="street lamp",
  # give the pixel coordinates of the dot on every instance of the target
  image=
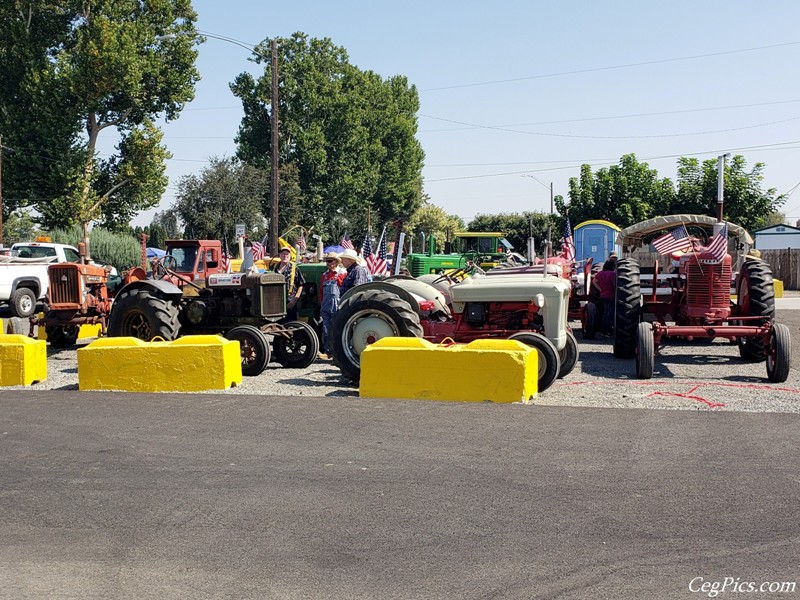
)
(273, 58)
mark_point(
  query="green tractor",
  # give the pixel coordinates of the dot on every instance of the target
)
(486, 249)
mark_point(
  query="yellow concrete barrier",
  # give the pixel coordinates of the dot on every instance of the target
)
(188, 364)
(23, 360)
(495, 370)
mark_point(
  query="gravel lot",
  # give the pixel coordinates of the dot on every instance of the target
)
(708, 376)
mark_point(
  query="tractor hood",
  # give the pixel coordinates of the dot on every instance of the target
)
(632, 236)
(514, 287)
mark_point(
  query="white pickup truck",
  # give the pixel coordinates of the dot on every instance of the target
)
(23, 274)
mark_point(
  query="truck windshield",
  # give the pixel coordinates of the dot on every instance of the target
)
(184, 257)
(32, 252)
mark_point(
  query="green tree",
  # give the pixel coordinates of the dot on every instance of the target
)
(19, 227)
(515, 227)
(432, 220)
(624, 194)
(349, 133)
(80, 68)
(225, 193)
(745, 202)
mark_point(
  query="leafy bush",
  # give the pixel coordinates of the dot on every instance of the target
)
(117, 249)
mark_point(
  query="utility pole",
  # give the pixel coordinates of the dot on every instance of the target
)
(273, 183)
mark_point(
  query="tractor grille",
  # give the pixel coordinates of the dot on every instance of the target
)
(273, 300)
(709, 286)
(64, 285)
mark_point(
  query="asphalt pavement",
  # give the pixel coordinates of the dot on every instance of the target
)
(113, 496)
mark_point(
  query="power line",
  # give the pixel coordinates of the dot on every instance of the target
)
(608, 118)
(612, 137)
(609, 68)
(575, 166)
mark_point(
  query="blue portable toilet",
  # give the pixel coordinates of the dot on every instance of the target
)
(595, 239)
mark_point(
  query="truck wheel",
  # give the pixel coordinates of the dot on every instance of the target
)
(140, 314)
(299, 351)
(364, 318)
(22, 302)
(253, 346)
(549, 362)
(645, 351)
(779, 353)
(627, 308)
(755, 296)
(589, 321)
(568, 356)
(62, 336)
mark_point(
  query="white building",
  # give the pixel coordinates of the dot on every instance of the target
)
(777, 237)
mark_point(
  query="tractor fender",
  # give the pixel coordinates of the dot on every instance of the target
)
(409, 290)
(166, 289)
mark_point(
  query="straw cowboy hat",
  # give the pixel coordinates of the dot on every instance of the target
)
(351, 254)
(332, 256)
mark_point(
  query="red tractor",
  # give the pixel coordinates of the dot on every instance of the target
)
(526, 307)
(698, 303)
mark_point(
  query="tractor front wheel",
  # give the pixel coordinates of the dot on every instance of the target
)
(363, 319)
(139, 313)
(298, 351)
(645, 351)
(627, 308)
(779, 353)
(253, 347)
(62, 336)
(569, 355)
(589, 321)
(549, 362)
(755, 296)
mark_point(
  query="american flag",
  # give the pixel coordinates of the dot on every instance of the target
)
(376, 263)
(346, 243)
(672, 241)
(718, 245)
(567, 245)
(301, 242)
(259, 250)
(225, 261)
(366, 249)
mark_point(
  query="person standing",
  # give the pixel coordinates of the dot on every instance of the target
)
(357, 273)
(330, 284)
(605, 282)
(294, 283)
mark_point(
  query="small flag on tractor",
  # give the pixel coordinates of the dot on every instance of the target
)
(672, 241)
(346, 243)
(225, 262)
(259, 250)
(567, 244)
(718, 245)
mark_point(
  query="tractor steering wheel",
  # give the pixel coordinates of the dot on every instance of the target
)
(163, 264)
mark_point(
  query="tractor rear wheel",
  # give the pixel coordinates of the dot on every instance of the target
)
(300, 350)
(568, 356)
(549, 362)
(253, 347)
(779, 353)
(627, 308)
(645, 351)
(755, 296)
(62, 336)
(141, 314)
(589, 321)
(364, 318)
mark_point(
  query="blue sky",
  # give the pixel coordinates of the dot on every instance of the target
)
(516, 95)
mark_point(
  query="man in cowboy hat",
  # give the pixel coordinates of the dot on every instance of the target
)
(356, 271)
(294, 282)
(329, 288)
